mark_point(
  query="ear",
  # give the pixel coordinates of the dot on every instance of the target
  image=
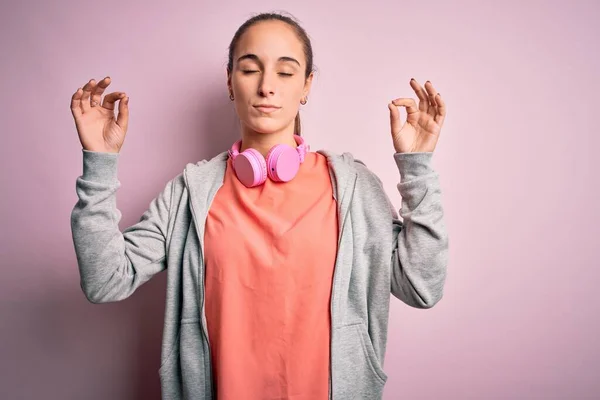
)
(308, 84)
(229, 88)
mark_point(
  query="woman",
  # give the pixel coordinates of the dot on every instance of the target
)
(280, 261)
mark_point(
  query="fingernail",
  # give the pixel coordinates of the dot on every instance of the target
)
(412, 79)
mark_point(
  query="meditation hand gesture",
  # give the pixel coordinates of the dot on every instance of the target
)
(421, 131)
(97, 127)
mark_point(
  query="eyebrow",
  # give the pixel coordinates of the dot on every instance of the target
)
(255, 58)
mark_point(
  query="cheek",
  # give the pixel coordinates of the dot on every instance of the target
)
(293, 102)
(243, 87)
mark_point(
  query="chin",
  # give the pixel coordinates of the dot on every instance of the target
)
(266, 126)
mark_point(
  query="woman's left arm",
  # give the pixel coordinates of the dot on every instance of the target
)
(420, 246)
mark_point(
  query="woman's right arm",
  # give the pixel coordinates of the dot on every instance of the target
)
(112, 264)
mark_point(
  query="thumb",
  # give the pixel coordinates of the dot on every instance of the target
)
(395, 122)
(123, 117)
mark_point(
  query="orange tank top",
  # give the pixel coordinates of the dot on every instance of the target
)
(270, 253)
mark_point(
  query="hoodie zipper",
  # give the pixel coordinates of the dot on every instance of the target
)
(205, 328)
(342, 224)
(202, 296)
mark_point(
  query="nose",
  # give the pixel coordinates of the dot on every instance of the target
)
(266, 86)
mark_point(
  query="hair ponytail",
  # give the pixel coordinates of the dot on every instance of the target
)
(297, 124)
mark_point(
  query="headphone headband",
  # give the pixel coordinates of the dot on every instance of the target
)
(302, 148)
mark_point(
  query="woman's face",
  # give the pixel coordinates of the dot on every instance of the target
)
(268, 68)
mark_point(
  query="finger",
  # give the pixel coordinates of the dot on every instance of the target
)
(432, 93)
(441, 114)
(421, 94)
(85, 98)
(111, 98)
(123, 117)
(412, 112)
(395, 122)
(76, 109)
(99, 89)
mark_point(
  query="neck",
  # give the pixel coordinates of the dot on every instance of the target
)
(263, 142)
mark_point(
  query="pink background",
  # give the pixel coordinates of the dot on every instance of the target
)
(520, 188)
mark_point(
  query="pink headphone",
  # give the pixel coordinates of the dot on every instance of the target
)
(281, 165)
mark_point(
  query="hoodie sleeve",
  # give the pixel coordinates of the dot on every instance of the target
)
(420, 240)
(112, 265)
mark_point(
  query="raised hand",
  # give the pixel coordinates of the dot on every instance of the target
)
(97, 127)
(422, 129)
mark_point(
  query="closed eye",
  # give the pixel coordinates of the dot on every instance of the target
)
(246, 72)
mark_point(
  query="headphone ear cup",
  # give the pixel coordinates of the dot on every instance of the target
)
(283, 162)
(250, 168)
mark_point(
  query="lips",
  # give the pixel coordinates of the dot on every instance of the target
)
(266, 109)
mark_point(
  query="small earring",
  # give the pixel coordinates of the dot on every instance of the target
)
(304, 101)
(231, 96)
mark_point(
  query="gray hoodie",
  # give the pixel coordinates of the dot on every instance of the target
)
(378, 255)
